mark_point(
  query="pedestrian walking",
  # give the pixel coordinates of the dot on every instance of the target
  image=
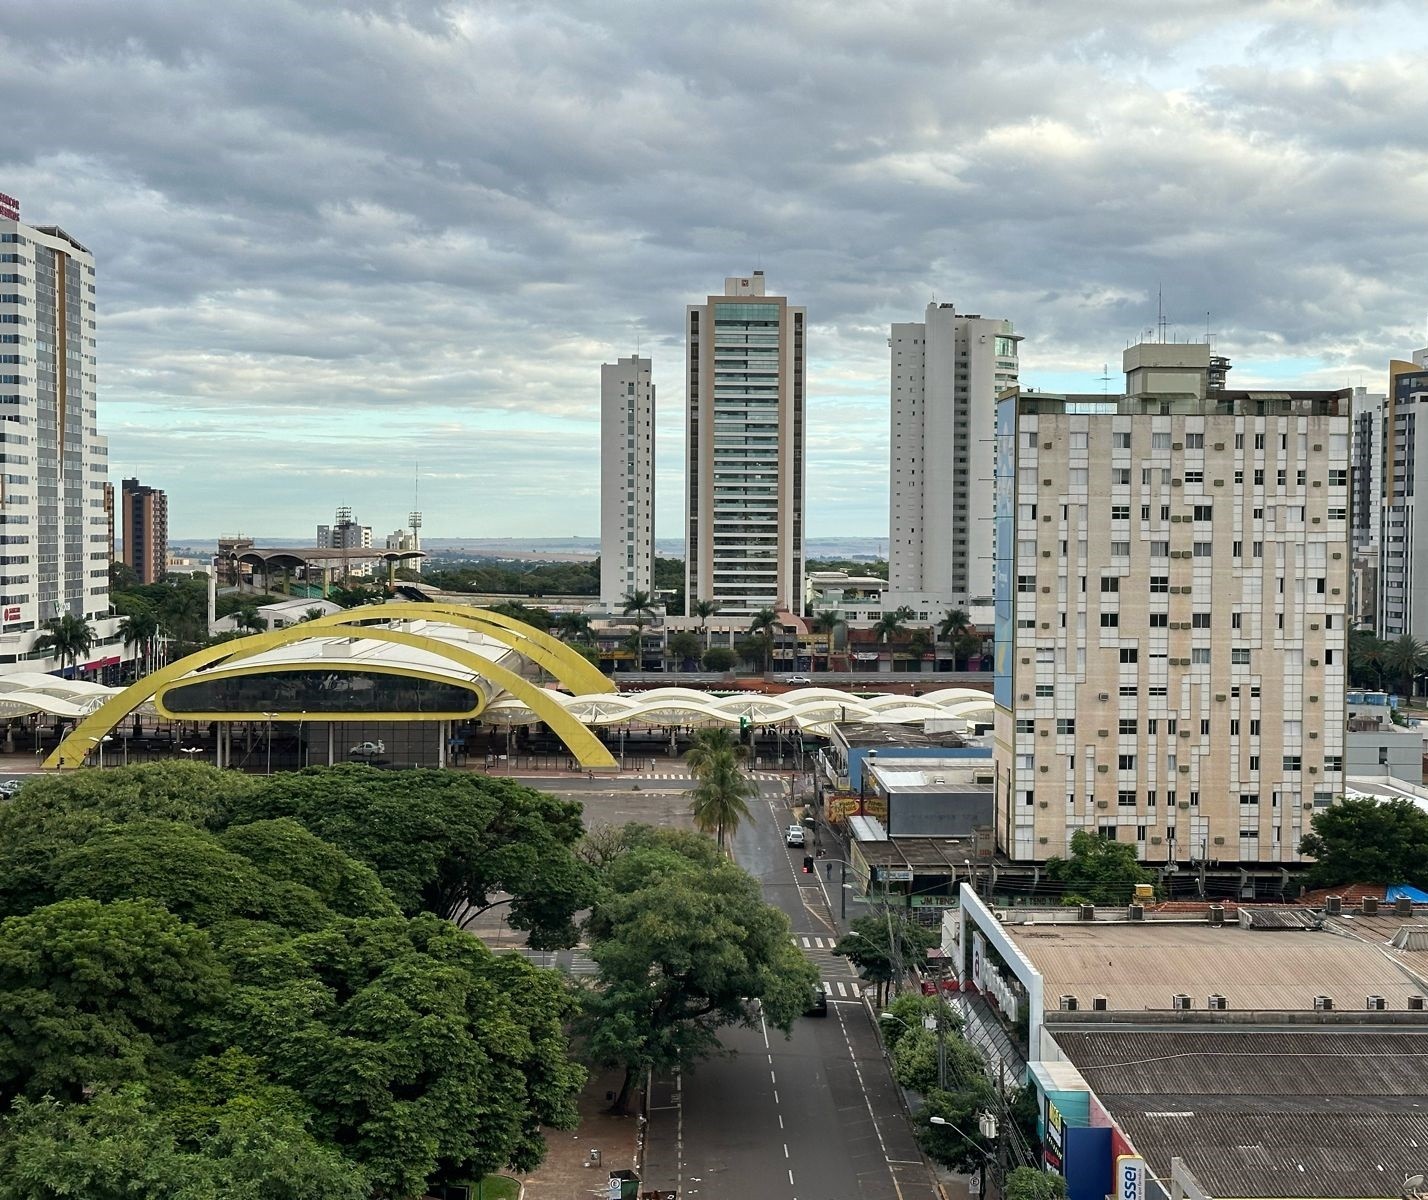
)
(829, 867)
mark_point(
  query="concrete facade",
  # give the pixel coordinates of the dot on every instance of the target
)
(1403, 543)
(1172, 611)
(627, 468)
(55, 526)
(145, 513)
(946, 374)
(744, 438)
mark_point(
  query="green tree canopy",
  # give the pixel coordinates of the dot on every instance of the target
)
(247, 1002)
(885, 946)
(1368, 841)
(1027, 1183)
(1098, 870)
(444, 842)
(686, 945)
(718, 658)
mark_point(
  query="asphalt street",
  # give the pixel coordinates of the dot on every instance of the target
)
(812, 1116)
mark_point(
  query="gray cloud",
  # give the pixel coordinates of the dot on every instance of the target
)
(339, 239)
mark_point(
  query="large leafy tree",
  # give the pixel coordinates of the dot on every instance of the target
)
(686, 945)
(445, 842)
(1097, 871)
(95, 993)
(173, 936)
(1368, 841)
(140, 632)
(685, 647)
(885, 946)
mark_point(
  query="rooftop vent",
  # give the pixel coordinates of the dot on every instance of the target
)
(1333, 905)
(1369, 906)
(1086, 912)
(1216, 914)
(1403, 907)
(1375, 1003)
(1136, 912)
(1415, 1003)
(1099, 1003)
(1069, 1004)
(1216, 1002)
(1180, 1002)
(1323, 1003)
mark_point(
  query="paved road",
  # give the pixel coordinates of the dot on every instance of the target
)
(814, 1116)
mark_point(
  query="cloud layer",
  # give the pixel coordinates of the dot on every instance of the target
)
(339, 240)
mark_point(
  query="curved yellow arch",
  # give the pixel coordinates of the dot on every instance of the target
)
(586, 747)
(570, 669)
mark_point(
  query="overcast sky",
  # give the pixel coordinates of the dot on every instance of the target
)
(341, 243)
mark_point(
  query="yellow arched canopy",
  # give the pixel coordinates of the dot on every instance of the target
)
(570, 670)
(583, 744)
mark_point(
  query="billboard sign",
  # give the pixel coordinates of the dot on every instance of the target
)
(1130, 1177)
(12, 612)
(9, 207)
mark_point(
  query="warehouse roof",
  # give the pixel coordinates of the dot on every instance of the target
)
(1142, 965)
(1273, 1110)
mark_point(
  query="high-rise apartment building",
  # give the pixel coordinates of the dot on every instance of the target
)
(344, 533)
(627, 465)
(745, 449)
(1171, 613)
(109, 520)
(1403, 543)
(146, 530)
(52, 517)
(947, 372)
(1366, 505)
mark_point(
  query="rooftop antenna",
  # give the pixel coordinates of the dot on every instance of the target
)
(414, 517)
(1160, 311)
(1105, 378)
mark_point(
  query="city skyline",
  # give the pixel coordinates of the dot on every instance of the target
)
(337, 248)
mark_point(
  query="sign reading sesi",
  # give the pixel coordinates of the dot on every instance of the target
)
(1130, 1177)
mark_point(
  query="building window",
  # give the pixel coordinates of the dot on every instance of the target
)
(1291, 762)
(1130, 654)
(1160, 583)
(1240, 657)
(1194, 441)
(1065, 725)
(1126, 762)
(1110, 620)
(1128, 725)
(1110, 583)
(1044, 691)
(1125, 799)
(1121, 441)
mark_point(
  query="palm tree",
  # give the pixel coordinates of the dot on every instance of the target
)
(140, 629)
(69, 637)
(1367, 653)
(762, 625)
(704, 609)
(708, 744)
(891, 624)
(953, 626)
(827, 623)
(573, 626)
(1406, 659)
(720, 800)
(249, 621)
(919, 642)
(640, 605)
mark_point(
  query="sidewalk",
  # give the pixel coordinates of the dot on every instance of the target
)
(565, 1175)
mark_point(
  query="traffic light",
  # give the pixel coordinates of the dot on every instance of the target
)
(808, 864)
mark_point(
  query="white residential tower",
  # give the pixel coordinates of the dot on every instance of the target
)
(627, 466)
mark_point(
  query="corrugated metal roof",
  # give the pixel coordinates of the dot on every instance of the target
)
(1316, 1112)
(1142, 965)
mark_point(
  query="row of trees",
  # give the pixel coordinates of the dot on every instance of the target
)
(217, 984)
(1381, 664)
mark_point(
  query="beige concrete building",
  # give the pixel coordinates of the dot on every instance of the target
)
(744, 427)
(627, 469)
(1172, 610)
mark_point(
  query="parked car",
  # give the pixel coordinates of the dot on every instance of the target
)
(793, 836)
(798, 680)
(10, 788)
(368, 749)
(818, 1001)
